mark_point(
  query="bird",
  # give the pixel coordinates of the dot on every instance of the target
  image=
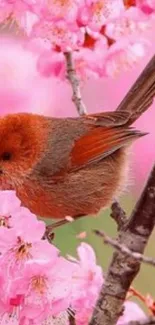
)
(72, 166)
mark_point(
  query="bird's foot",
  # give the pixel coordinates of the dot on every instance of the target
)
(49, 234)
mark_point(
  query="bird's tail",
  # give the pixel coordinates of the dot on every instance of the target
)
(141, 94)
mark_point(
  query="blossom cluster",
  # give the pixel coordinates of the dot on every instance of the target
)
(105, 36)
(38, 285)
(36, 282)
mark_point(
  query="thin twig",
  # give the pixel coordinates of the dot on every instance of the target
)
(125, 250)
(49, 233)
(75, 84)
(147, 321)
(63, 222)
(135, 293)
(118, 214)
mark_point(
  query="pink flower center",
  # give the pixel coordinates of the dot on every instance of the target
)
(22, 250)
(62, 4)
(38, 284)
(98, 7)
(4, 221)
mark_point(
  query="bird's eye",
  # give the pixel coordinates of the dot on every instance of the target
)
(6, 156)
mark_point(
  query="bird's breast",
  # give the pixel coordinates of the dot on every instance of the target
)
(82, 192)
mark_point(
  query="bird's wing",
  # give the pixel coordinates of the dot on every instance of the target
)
(99, 143)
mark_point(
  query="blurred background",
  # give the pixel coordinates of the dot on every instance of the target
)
(23, 89)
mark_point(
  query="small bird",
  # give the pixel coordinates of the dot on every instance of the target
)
(71, 166)
(61, 167)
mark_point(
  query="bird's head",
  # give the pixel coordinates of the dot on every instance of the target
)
(21, 144)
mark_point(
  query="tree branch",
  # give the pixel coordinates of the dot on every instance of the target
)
(118, 214)
(123, 269)
(133, 234)
(75, 84)
(125, 250)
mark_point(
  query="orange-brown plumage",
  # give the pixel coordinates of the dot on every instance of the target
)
(62, 167)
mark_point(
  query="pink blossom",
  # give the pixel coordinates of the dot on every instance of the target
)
(46, 290)
(133, 23)
(148, 6)
(13, 319)
(9, 203)
(20, 238)
(123, 55)
(60, 33)
(95, 13)
(88, 279)
(132, 312)
(16, 251)
(90, 62)
(64, 27)
(61, 319)
(18, 9)
(63, 9)
(9, 318)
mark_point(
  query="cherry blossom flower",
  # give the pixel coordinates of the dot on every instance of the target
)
(37, 284)
(59, 9)
(95, 13)
(132, 23)
(17, 9)
(9, 203)
(60, 33)
(122, 56)
(67, 25)
(148, 6)
(21, 238)
(132, 312)
(46, 290)
(88, 280)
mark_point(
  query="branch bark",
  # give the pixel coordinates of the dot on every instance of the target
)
(123, 269)
(118, 214)
(125, 250)
(75, 84)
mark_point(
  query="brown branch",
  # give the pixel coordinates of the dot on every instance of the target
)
(123, 269)
(71, 320)
(123, 249)
(147, 321)
(75, 84)
(118, 214)
(71, 316)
